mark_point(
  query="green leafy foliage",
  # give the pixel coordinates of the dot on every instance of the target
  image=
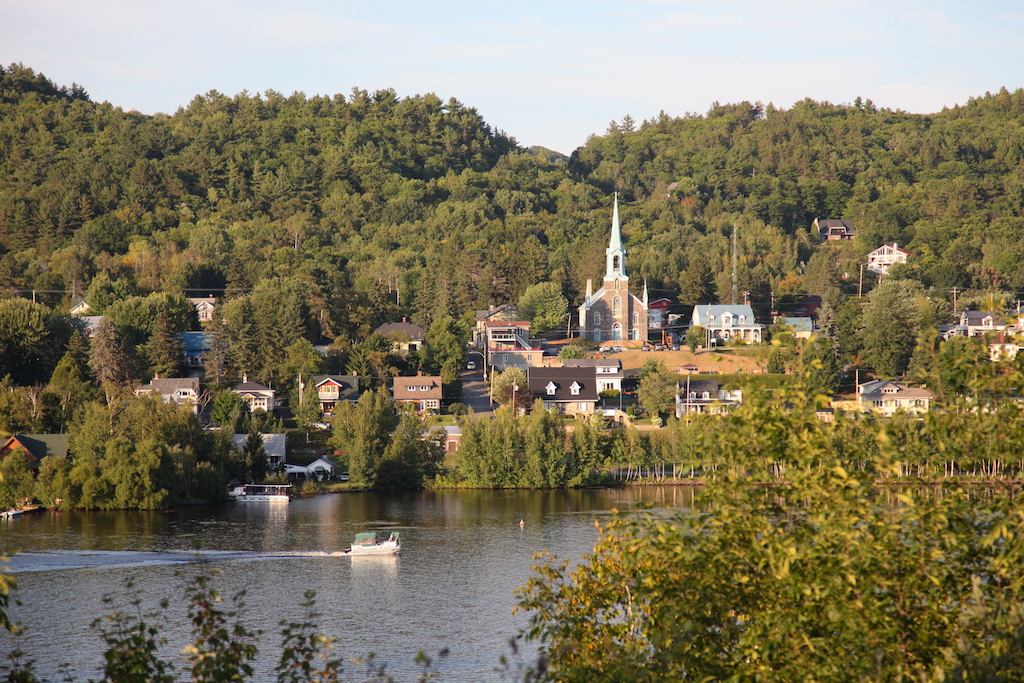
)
(823, 572)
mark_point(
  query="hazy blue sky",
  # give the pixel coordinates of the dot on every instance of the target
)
(548, 73)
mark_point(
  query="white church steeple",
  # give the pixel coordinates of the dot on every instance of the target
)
(615, 253)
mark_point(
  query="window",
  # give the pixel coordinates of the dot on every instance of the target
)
(617, 303)
(551, 388)
(597, 319)
(743, 319)
(711, 320)
(636, 320)
(582, 406)
(575, 388)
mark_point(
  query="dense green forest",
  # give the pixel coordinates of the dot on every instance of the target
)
(372, 206)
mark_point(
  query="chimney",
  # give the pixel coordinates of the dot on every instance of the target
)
(419, 373)
(245, 377)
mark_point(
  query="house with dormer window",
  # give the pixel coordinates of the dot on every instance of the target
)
(607, 371)
(422, 392)
(180, 391)
(570, 391)
(727, 322)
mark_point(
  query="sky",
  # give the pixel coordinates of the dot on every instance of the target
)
(548, 73)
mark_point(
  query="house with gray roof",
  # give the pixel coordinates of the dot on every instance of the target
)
(885, 397)
(726, 322)
(182, 391)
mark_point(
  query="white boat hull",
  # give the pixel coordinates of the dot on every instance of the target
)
(386, 548)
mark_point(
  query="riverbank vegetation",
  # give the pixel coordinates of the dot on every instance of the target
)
(822, 574)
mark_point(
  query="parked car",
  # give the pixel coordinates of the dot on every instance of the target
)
(659, 347)
(616, 349)
(645, 347)
(605, 349)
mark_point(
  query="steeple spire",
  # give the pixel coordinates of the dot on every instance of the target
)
(615, 253)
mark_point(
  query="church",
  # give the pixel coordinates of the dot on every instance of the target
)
(613, 313)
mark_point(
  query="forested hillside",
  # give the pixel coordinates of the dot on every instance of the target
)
(331, 215)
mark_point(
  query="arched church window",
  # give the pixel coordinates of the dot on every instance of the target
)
(617, 305)
(597, 319)
(615, 263)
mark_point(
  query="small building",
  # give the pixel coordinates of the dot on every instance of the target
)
(885, 257)
(569, 391)
(257, 396)
(37, 446)
(204, 307)
(704, 397)
(833, 229)
(404, 336)
(182, 391)
(728, 321)
(422, 392)
(885, 397)
(79, 307)
(452, 438)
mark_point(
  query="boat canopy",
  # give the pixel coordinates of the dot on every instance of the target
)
(366, 539)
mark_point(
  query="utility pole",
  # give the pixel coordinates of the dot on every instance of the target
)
(860, 282)
(734, 287)
(954, 302)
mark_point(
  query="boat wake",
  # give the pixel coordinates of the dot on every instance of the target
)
(77, 559)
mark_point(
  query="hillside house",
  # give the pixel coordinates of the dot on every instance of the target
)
(424, 393)
(182, 391)
(204, 307)
(257, 396)
(37, 446)
(833, 229)
(333, 389)
(404, 336)
(885, 257)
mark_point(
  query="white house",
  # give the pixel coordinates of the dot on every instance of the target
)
(257, 396)
(608, 371)
(204, 307)
(704, 396)
(886, 256)
(274, 445)
(886, 397)
(728, 321)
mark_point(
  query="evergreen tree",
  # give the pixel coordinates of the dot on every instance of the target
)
(110, 362)
(165, 350)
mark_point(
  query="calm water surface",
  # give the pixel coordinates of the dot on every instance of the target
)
(463, 554)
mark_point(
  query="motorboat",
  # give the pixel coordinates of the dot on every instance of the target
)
(261, 493)
(371, 543)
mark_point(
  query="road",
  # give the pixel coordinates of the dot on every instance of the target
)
(474, 386)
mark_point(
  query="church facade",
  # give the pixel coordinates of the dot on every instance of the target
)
(613, 313)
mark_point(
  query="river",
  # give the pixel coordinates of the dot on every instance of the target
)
(463, 554)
